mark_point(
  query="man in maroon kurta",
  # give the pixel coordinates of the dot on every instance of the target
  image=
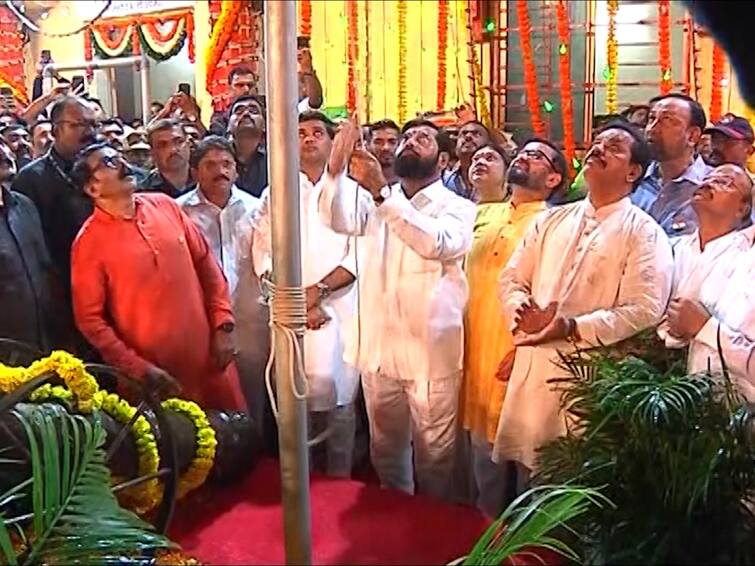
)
(147, 291)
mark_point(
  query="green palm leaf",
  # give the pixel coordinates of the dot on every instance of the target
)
(76, 519)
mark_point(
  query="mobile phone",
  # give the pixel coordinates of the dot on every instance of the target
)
(185, 88)
(77, 84)
(8, 101)
(45, 55)
(302, 42)
(6, 91)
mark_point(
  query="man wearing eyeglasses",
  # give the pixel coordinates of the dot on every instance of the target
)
(28, 311)
(588, 273)
(409, 336)
(148, 293)
(61, 204)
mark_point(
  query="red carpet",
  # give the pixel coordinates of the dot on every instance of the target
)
(352, 523)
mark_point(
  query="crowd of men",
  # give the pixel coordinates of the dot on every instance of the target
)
(442, 272)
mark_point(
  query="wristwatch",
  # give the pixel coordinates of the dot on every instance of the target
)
(226, 327)
(323, 290)
(385, 192)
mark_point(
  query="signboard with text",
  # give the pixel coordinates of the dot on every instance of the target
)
(120, 8)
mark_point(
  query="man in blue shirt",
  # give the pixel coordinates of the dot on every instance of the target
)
(675, 125)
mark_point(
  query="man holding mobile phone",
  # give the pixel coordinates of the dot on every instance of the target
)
(310, 88)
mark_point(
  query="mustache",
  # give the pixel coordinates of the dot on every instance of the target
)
(222, 177)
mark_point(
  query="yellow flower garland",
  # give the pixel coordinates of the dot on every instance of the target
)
(70, 369)
(204, 456)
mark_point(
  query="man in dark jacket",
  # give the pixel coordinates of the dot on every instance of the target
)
(28, 312)
(61, 204)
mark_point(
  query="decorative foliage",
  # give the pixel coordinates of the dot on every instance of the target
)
(717, 82)
(305, 18)
(75, 518)
(12, 56)
(221, 34)
(204, 456)
(352, 54)
(442, 52)
(402, 57)
(530, 73)
(612, 60)
(564, 82)
(664, 45)
(673, 452)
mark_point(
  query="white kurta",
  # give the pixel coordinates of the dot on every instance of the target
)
(611, 270)
(331, 380)
(694, 268)
(411, 284)
(731, 302)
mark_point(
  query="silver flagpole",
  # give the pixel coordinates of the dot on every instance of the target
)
(283, 164)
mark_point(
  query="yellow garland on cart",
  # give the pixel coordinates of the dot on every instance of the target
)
(69, 368)
(204, 456)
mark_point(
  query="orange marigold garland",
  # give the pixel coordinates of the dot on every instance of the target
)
(717, 79)
(664, 45)
(612, 60)
(402, 56)
(530, 73)
(221, 34)
(190, 36)
(352, 54)
(305, 18)
(564, 77)
(442, 48)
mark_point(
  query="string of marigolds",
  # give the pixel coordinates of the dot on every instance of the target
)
(612, 60)
(530, 73)
(82, 387)
(664, 45)
(402, 56)
(442, 49)
(564, 81)
(717, 80)
(352, 55)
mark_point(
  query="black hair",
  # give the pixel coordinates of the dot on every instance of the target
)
(696, 111)
(60, 106)
(311, 115)
(208, 144)
(161, 125)
(386, 124)
(478, 123)
(445, 144)
(559, 163)
(416, 123)
(157, 103)
(240, 70)
(112, 121)
(39, 122)
(81, 172)
(639, 152)
(244, 98)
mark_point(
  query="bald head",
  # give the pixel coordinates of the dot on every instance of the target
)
(74, 125)
(724, 196)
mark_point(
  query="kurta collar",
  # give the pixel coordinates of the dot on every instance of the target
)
(694, 173)
(196, 197)
(526, 207)
(605, 211)
(424, 197)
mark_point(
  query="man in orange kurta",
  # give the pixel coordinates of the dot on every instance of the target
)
(147, 291)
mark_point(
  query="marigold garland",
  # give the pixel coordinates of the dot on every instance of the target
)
(70, 369)
(530, 73)
(305, 18)
(402, 57)
(612, 60)
(442, 52)
(717, 78)
(221, 34)
(482, 100)
(664, 45)
(204, 456)
(352, 55)
(564, 77)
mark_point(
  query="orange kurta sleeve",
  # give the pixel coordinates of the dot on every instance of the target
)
(89, 289)
(214, 286)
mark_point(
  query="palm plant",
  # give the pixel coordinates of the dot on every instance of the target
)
(70, 512)
(674, 452)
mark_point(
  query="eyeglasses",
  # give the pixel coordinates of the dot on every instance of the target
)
(109, 161)
(537, 154)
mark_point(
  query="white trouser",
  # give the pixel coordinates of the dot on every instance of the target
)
(490, 478)
(405, 413)
(338, 445)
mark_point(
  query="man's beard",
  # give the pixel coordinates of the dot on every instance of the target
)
(518, 176)
(410, 166)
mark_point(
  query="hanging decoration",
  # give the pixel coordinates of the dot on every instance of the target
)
(442, 51)
(696, 64)
(352, 16)
(611, 72)
(564, 78)
(530, 73)
(161, 35)
(221, 34)
(482, 100)
(305, 18)
(717, 83)
(664, 45)
(12, 56)
(402, 57)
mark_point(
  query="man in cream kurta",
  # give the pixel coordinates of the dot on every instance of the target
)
(592, 272)
(412, 291)
(328, 271)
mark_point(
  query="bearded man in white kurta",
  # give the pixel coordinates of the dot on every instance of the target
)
(408, 342)
(705, 260)
(328, 272)
(592, 272)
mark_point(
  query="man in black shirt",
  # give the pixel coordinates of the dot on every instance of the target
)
(242, 81)
(246, 128)
(170, 154)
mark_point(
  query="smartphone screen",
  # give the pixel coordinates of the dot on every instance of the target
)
(77, 84)
(185, 88)
(302, 42)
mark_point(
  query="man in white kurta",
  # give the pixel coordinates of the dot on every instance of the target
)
(412, 294)
(713, 281)
(592, 272)
(328, 273)
(224, 214)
